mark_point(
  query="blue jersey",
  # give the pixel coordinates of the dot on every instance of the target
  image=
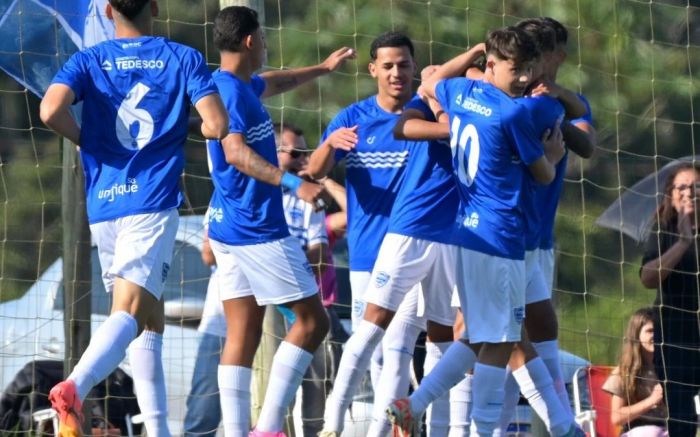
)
(491, 136)
(244, 210)
(374, 172)
(136, 96)
(546, 113)
(427, 202)
(548, 196)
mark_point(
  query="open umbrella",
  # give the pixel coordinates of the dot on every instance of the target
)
(633, 212)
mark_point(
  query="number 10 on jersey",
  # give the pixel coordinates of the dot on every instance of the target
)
(459, 140)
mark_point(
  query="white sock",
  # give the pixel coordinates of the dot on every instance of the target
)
(450, 370)
(234, 397)
(549, 352)
(487, 395)
(461, 407)
(510, 402)
(375, 366)
(286, 373)
(537, 387)
(437, 418)
(146, 358)
(353, 365)
(398, 344)
(106, 350)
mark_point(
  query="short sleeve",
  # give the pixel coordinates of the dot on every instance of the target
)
(518, 127)
(442, 93)
(73, 74)
(613, 384)
(316, 232)
(234, 100)
(199, 80)
(419, 105)
(258, 85)
(588, 116)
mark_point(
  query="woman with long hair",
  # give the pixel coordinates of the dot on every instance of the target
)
(670, 264)
(637, 397)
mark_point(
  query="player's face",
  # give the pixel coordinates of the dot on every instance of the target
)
(258, 49)
(646, 337)
(292, 152)
(394, 70)
(509, 77)
(684, 191)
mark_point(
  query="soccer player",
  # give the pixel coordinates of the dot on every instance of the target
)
(376, 167)
(136, 92)
(494, 147)
(540, 210)
(259, 263)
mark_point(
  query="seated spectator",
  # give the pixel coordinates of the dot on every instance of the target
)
(637, 397)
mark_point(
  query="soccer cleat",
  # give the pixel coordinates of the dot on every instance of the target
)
(325, 433)
(64, 399)
(401, 418)
(256, 433)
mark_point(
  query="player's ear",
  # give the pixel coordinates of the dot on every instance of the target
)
(108, 11)
(489, 64)
(372, 69)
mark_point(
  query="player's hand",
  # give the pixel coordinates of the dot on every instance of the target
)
(546, 88)
(685, 225)
(344, 138)
(314, 194)
(338, 58)
(553, 142)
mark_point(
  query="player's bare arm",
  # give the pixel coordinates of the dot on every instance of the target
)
(55, 113)
(279, 81)
(573, 105)
(453, 68)
(322, 159)
(544, 169)
(412, 125)
(248, 162)
(214, 116)
(579, 138)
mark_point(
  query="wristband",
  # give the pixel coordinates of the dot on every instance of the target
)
(290, 182)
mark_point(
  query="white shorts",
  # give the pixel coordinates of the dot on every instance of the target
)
(537, 289)
(492, 292)
(275, 272)
(546, 257)
(138, 248)
(407, 311)
(404, 262)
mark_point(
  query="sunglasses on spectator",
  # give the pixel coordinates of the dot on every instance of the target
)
(294, 153)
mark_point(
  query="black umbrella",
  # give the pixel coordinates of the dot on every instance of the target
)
(633, 212)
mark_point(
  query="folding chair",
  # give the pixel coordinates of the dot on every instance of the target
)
(596, 419)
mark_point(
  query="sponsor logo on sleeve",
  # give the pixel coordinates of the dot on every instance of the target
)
(381, 279)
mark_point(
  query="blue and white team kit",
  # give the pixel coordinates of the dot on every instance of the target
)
(417, 254)
(136, 94)
(493, 140)
(248, 232)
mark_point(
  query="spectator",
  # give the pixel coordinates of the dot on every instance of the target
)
(670, 264)
(637, 397)
(317, 235)
(203, 409)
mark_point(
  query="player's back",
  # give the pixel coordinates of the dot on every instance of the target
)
(491, 136)
(136, 95)
(374, 173)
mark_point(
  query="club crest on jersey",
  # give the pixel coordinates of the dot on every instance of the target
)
(519, 314)
(381, 279)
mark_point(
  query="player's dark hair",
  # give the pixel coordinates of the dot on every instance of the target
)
(129, 8)
(232, 25)
(390, 39)
(279, 128)
(559, 30)
(511, 43)
(541, 31)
